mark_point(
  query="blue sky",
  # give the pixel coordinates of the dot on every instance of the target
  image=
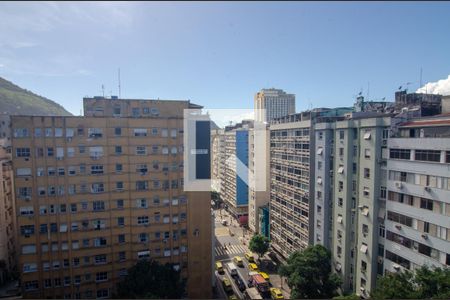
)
(220, 54)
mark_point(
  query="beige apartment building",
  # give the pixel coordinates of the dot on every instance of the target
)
(291, 184)
(7, 218)
(94, 194)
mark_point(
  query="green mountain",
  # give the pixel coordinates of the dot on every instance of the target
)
(15, 100)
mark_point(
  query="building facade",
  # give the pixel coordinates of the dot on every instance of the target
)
(350, 192)
(273, 103)
(94, 194)
(259, 174)
(291, 182)
(8, 258)
(417, 228)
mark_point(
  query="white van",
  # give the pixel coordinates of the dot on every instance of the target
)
(232, 268)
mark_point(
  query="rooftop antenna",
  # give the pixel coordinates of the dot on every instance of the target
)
(103, 90)
(120, 97)
(368, 90)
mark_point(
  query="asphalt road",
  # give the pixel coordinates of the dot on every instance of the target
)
(226, 248)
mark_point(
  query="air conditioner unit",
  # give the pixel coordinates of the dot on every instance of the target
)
(380, 259)
(396, 267)
(398, 226)
(362, 289)
(398, 185)
(427, 189)
(384, 142)
(425, 236)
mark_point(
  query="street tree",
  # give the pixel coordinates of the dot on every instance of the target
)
(151, 280)
(309, 274)
(422, 283)
(259, 244)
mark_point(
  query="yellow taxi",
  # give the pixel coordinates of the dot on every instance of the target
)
(265, 275)
(219, 267)
(253, 267)
(227, 285)
(238, 261)
(276, 293)
(249, 257)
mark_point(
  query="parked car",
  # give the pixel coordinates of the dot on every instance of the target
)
(276, 293)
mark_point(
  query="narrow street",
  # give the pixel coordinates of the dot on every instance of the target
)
(232, 240)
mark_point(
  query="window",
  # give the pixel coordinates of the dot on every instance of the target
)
(119, 185)
(116, 110)
(70, 152)
(140, 132)
(173, 133)
(101, 276)
(38, 132)
(122, 256)
(95, 132)
(28, 249)
(96, 152)
(100, 259)
(98, 205)
(366, 173)
(121, 238)
(141, 185)
(103, 293)
(428, 155)
(97, 188)
(141, 150)
(143, 237)
(118, 149)
(117, 131)
(341, 134)
(120, 221)
(400, 154)
(426, 204)
(340, 202)
(447, 160)
(143, 220)
(142, 203)
(98, 242)
(340, 185)
(341, 151)
(366, 191)
(164, 132)
(135, 112)
(119, 204)
(119, 168)
(367, 153)
(383, 192)
(97, 169)
(319, 165)
(367, 135)
(23, 152)
(365, 229)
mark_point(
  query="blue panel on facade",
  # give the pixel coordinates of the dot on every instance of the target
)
(242, 155)
(203, 145)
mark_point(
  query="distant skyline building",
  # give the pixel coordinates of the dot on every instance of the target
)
(276, 102)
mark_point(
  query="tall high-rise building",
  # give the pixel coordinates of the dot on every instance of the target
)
(235, 175)
(8, 258)
(291, 184)
(417, 228)
(276, 103)
(94, 194)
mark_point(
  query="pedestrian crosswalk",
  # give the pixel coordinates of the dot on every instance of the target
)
(233, 249)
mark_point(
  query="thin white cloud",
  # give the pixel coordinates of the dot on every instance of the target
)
(441, 87)
(223, 117)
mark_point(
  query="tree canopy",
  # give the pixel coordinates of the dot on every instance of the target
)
(259, 244)
(151, 280)
(309, 274)
(423, 283)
